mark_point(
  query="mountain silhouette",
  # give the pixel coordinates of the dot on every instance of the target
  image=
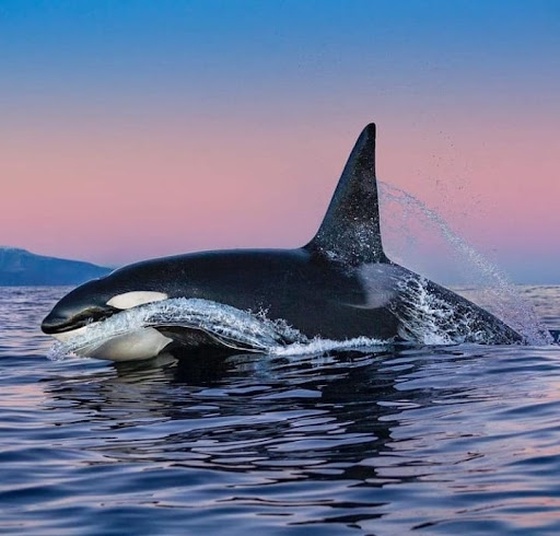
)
(19, 267)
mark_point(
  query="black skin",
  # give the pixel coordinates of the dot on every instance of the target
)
(313, 296)
(319, 298)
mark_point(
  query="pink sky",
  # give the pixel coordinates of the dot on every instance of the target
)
(114, 191)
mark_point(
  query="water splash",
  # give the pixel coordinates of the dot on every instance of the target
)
(427, 319)
(222, 321)
(494, 291)
(432, 318)
(244, 330)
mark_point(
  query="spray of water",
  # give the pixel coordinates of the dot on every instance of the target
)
(495, 291)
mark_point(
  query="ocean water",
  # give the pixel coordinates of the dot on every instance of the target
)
(461, 439)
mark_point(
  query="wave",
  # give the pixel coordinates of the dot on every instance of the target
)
(226, 324)
(255, 332)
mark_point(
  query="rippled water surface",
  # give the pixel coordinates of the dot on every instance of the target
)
(441, 440)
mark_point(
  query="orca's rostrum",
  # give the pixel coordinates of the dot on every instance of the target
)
(339, 286)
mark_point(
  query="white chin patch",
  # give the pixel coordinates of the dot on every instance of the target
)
(135, 298)
(137, 345)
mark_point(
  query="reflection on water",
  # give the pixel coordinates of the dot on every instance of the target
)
(361, 437)
(461, 439)
(246, 407)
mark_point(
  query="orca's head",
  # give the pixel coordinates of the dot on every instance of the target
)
(96, 301)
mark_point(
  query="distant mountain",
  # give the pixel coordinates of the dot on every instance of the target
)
(19, 267)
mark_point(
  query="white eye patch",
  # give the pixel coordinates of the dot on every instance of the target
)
(138, 297)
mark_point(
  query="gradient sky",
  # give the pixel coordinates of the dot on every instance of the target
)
(133, 129)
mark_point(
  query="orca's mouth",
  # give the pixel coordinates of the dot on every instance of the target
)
(57, 322)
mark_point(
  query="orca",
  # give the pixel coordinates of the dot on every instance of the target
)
(339, 286)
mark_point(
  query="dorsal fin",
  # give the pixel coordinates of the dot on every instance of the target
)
(350, 230)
